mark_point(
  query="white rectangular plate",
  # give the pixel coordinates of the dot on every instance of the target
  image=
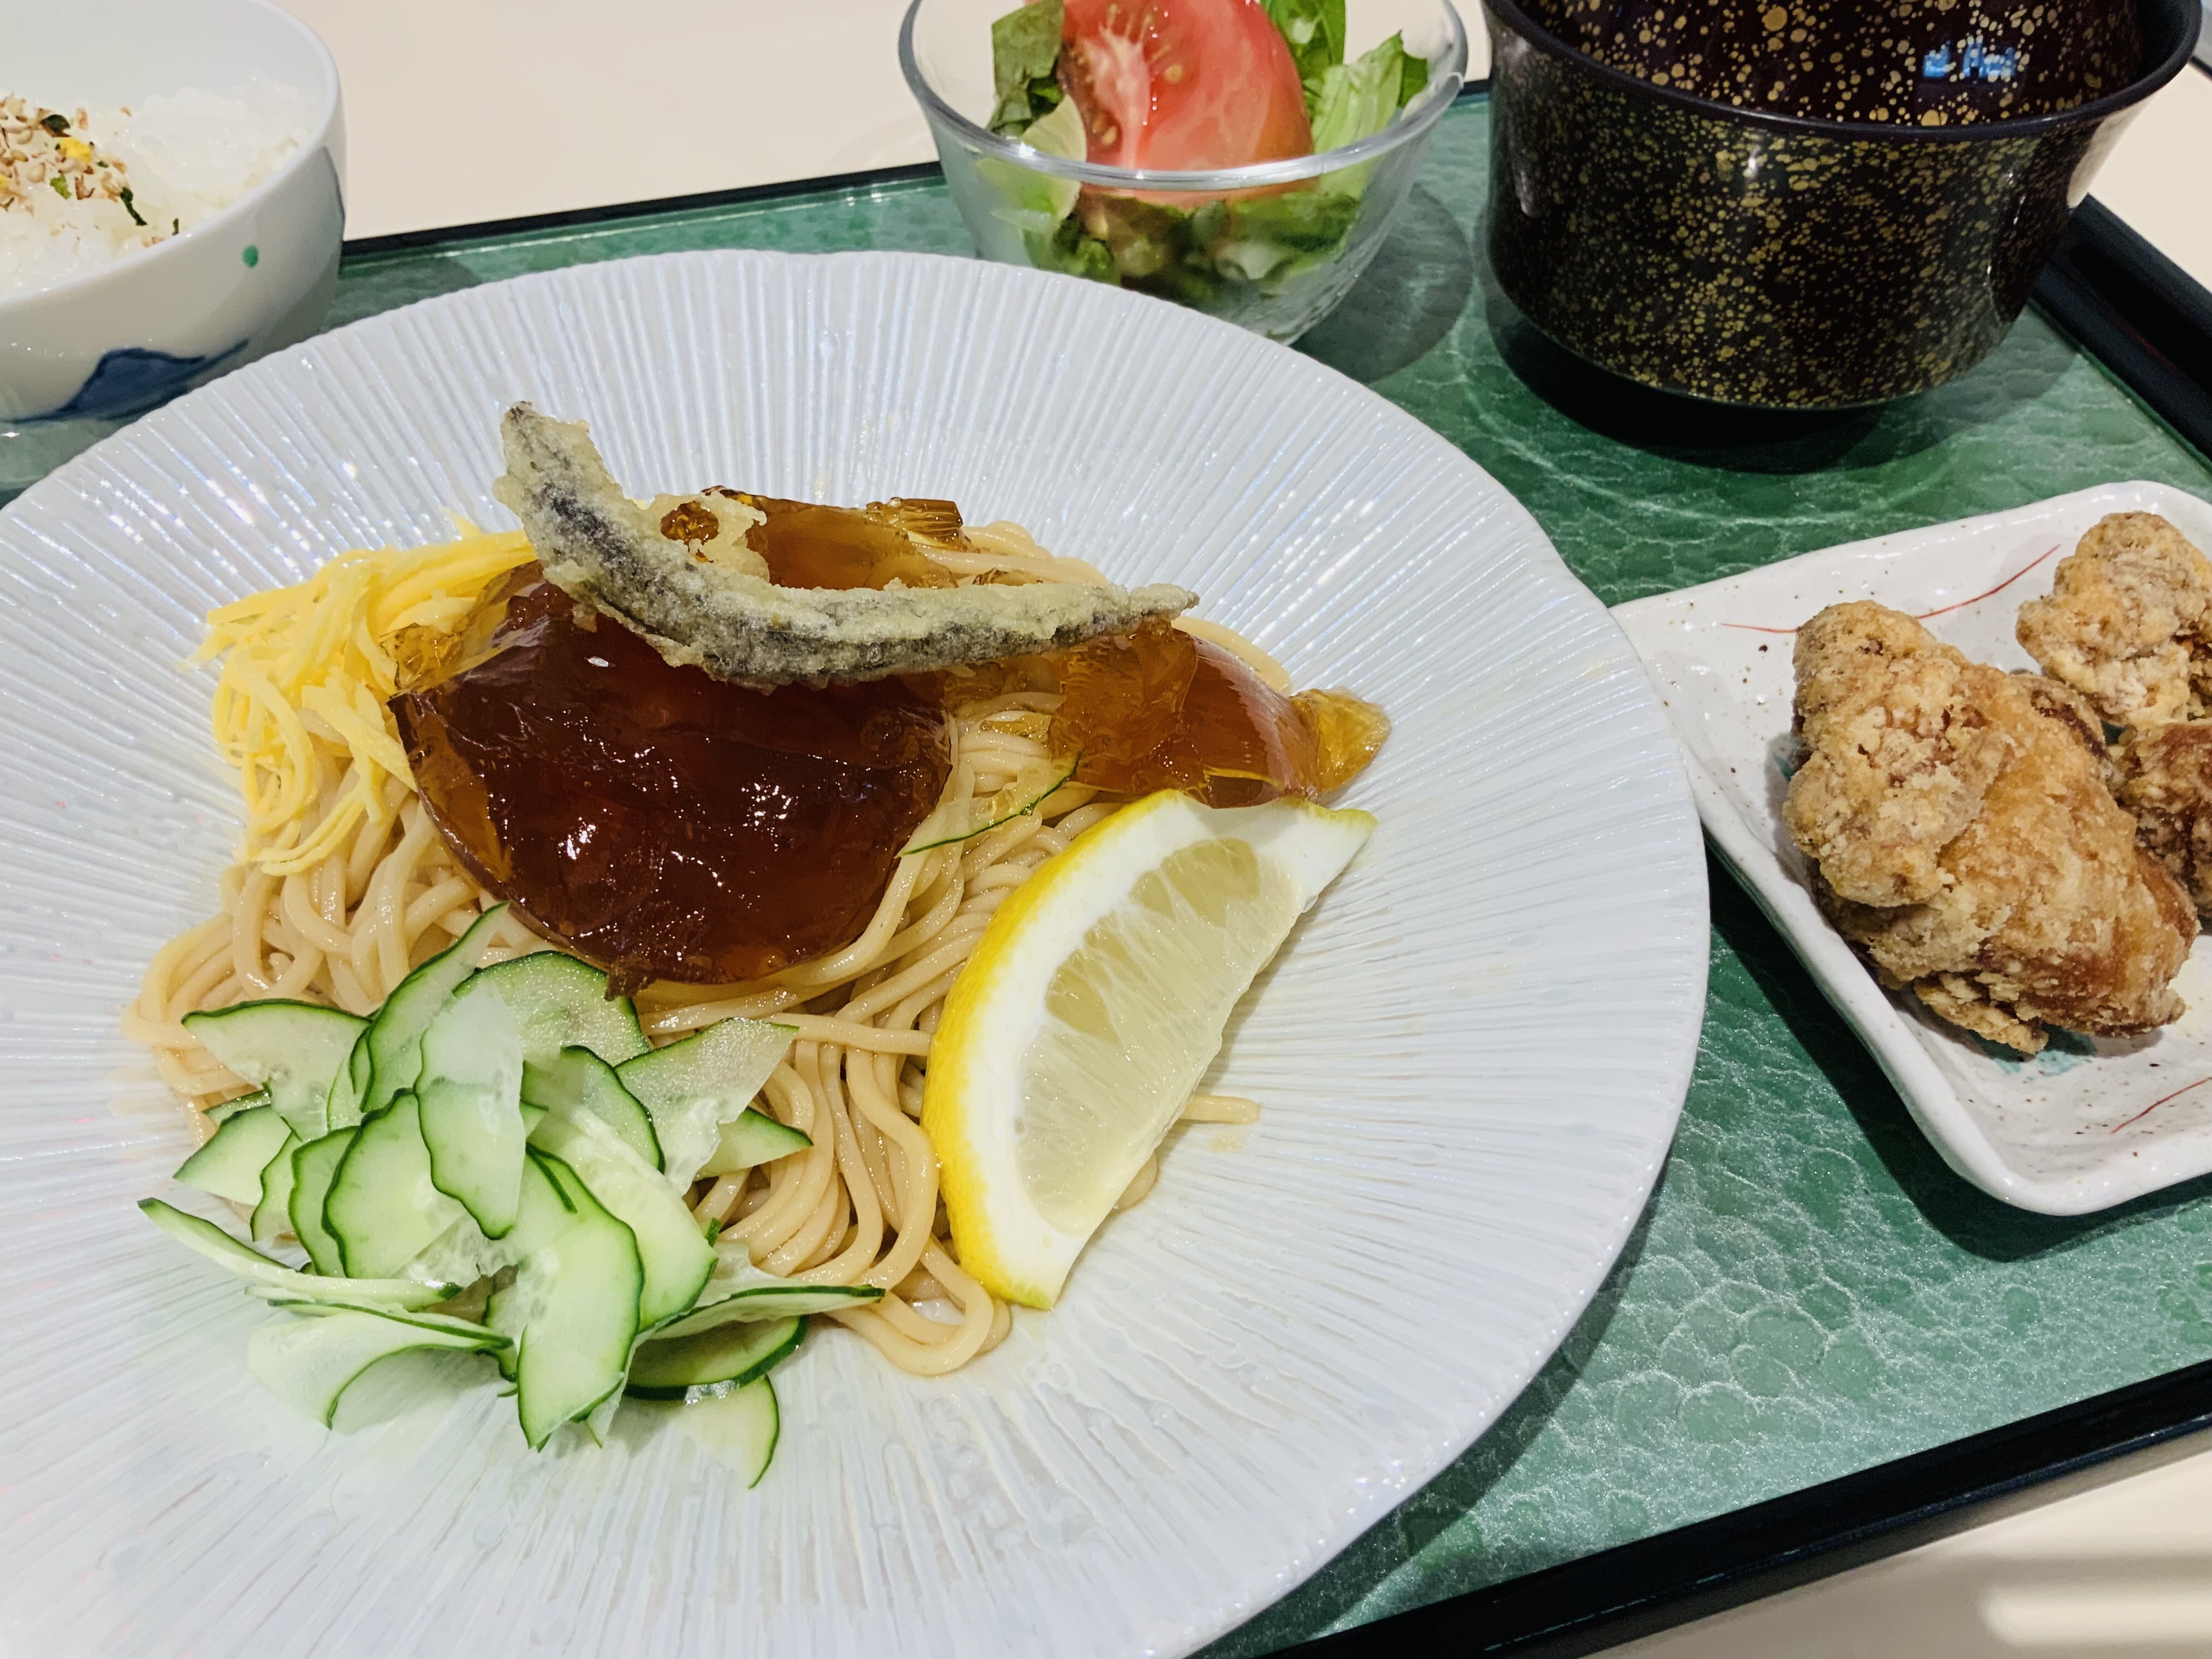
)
(2089, 1123)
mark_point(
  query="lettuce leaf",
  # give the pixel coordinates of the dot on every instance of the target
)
(1037, 202)
(1268, 236)
(1314, 31)
(1412, 74)
(1025, 52)
(1356, 99)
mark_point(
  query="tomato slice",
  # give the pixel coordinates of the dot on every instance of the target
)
(1183, 85)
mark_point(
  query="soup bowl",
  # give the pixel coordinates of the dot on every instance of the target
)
(1745, 256)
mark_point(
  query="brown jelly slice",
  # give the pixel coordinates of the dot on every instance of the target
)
(1158, 709)
(659, 821)
(808, 545)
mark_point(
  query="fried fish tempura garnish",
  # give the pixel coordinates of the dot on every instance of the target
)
(606, 551)
(2128, 621)
(1965, 839)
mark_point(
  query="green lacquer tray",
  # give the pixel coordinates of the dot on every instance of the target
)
(1811, 1293)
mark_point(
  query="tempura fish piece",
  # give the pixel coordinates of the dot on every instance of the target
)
(606, 551)
(2127, 622)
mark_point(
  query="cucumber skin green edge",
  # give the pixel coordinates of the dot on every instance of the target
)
(224, 1111)
(265, 1273)
(282, 1085)
(459, 1140)
(355, 1149)
(600, 1221)
(607, 1015)
(705, 1316)
(307, 1200)
(643, 1077)
(383, 1037)
(573, 1078)
(775, 1429)
(343, 1109)
(757, 1366)
(674, 1255)
(249, 1135)
(276, 1205)
(404, 1336)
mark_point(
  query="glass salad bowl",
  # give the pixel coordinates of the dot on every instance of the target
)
(1272, 246)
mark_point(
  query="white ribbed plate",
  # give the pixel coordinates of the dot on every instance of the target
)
(1471, 1056)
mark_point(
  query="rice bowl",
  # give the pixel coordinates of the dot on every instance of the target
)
(92, 332)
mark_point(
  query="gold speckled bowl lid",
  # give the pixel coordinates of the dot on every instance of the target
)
(1928, 63)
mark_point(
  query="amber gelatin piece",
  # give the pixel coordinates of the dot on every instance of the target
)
(1348, 733)
(1158, 709)
(659, 821)
(810, 546)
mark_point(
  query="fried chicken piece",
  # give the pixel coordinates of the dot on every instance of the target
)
(1898, 756)
(2128, 621)
(1967, 841)
(2166, 783)
(2078, 716)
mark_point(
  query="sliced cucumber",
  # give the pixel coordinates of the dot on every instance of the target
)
(295, 1050)
(315, 1166)
(572, 1310)
(693, 1087)
(675, 1255)
(469, 1102)
(579, 1080)
(542, 1213)
(312, 1362)
(779, 1301)
(753, 1137)
(963, 820)
(421, 1319)
(560, 1002)
(231, 1162)
(739, 1427)
(349, 1086)
(602, 1418)
(462, 1255)
(272, 1215)
(728, 1357)
(224, 1111)
(394, 1036)
(383, 1208)
(261, 1274)
(740, 1291)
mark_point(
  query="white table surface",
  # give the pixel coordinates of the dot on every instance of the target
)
(459, 111)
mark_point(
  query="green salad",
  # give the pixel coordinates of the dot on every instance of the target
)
(1188, 85)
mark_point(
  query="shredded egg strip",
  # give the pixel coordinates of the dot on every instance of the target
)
(308, 671)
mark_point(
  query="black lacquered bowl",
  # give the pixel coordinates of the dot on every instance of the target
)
(1775, 260)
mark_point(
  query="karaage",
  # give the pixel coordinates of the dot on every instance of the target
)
(1965, 839)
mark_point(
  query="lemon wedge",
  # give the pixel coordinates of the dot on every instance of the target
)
(1092, 1008)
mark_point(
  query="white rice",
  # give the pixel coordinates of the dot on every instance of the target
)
(189, 155)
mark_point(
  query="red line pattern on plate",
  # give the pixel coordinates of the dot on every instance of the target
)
(1939, 611)
(2159, 1101)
